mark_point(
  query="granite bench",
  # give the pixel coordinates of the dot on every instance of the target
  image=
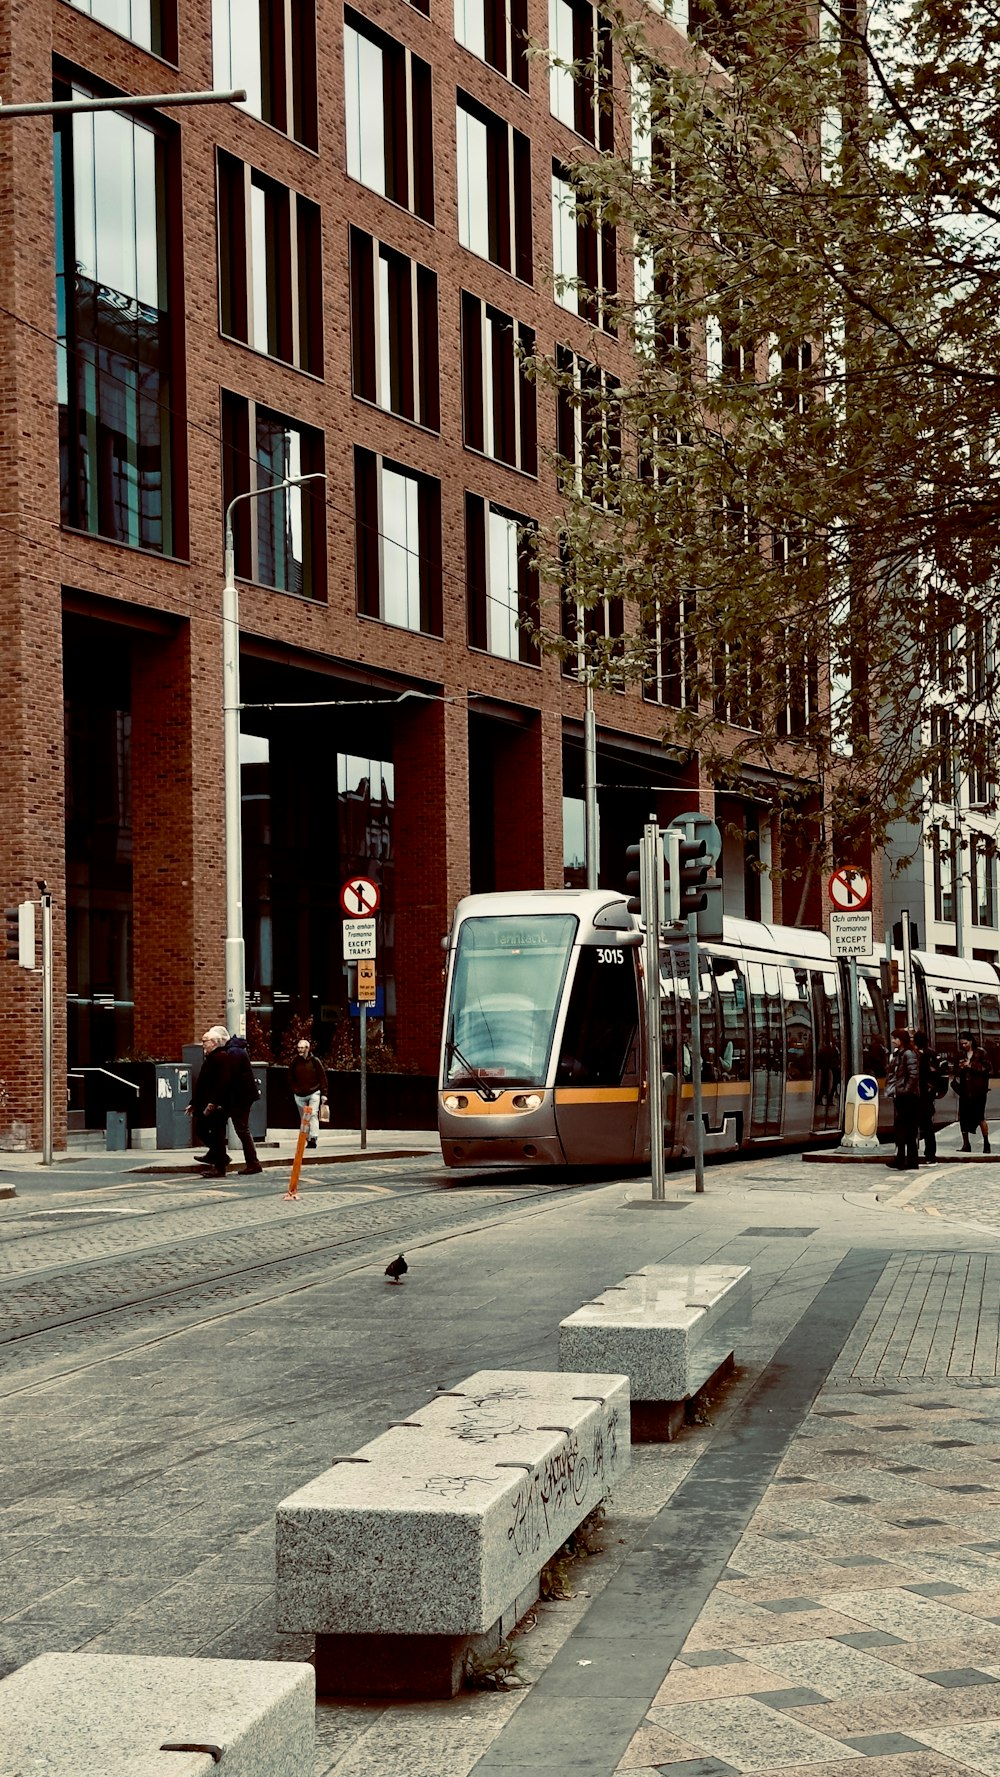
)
(125, 1715)
(670, 1328)
(426, 1544)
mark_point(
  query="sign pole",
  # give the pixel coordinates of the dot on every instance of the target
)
(694, 987)
(654, 1029)
(47, 1071)
(363, 1014)
(852, 975)
(908, 968)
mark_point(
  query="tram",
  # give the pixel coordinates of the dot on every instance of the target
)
(543, 1055)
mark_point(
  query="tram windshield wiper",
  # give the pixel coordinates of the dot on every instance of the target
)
(487, 1093)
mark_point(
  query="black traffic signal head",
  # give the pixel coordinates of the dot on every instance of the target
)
(695, 864)
(633, 880)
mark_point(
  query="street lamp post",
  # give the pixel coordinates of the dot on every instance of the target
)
(236, 1016)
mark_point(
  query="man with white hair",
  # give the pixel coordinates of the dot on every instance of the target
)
(225, 1088)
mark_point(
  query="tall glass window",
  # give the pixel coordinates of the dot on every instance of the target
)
(269, 48)
(398, 543)
(114, 329)
(502, 581)
(152, 24)
(279, 537)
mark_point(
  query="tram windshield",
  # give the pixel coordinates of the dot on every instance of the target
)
(505, 995)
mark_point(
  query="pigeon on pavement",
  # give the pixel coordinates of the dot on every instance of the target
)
(395, 1269)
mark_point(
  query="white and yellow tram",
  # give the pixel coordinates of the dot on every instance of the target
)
(543, 1057)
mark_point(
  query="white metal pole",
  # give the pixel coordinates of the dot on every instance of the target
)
(649, 877)
(590, 785)
(363, 1014)
(694, 988)
(236, 975)
(47, 1075)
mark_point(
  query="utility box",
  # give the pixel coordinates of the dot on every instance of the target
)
(173, 1095)
(116, 1132)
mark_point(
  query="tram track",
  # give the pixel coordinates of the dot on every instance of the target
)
(93, 1304)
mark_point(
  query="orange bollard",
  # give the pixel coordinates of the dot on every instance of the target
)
(292, 1194)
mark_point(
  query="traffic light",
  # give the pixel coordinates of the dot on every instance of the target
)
(693, 863)
(20, 930)
(634, 879)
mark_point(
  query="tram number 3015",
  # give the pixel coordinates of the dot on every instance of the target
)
(611, 956)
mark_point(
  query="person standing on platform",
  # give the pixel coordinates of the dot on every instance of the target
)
(972, 1083)
(929, 1067)
(902, 1085)
(307, 1078)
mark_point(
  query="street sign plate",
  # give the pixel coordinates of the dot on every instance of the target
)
(359, 940)
(851, 934)
(360, 896)
(867, 1088)
(366, 981)
(701, 826)
(849, 889)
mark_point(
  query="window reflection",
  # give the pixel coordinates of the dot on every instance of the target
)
(114, 355)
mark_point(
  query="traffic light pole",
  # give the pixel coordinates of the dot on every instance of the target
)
(694, 985)
(650, 868)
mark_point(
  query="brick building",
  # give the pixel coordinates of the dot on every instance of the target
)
(193, 304)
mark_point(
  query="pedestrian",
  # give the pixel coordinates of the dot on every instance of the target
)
(972, 1083)
(307, 1078)
(902, 1085)
(225, 1088)
(930, 1074)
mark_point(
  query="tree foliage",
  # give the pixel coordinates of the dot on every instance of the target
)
(794, 488)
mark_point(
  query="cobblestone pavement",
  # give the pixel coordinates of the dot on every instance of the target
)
(850, 1611)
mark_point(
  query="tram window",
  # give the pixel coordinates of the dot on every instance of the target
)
(668, 1012)
(731, 992)
(798, 1024)
(989, 1011)
(967, 1013)
(873, 1048)
(506, 989)
(602, 1020)
(944, 1034)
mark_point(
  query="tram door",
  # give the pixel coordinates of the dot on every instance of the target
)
(768, 1050)
(800, 1084)
(827, 1024)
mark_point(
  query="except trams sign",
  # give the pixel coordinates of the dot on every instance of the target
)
(359, 940)
(851, 934)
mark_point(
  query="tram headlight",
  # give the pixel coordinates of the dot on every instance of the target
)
(527, 1101)
(455, 1102)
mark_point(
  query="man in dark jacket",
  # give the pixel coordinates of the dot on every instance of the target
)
(225, 1089)
(902, 1085)
(307, 1078)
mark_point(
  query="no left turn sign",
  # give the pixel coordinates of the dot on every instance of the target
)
(850, 889)
(360, 897)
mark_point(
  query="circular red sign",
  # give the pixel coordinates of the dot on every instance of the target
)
(850, 889)
(360, 897)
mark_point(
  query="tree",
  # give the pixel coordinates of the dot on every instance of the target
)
(791, 498)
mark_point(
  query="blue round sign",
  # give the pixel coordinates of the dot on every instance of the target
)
(867, 1087)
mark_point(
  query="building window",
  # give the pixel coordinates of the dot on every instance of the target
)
(279, 538)
(584, 256)
(394, 331)
(983, 864)
(152, 24)
(672, 677)
(494, 188)
(497, 32)
(398, 514)
(943, 846)
(588, 428)
(270, 266)
(942, 755)
(115, 328)
(502, 582)
(580, 70)
(387, 93)
(498, 400)
(269, 48)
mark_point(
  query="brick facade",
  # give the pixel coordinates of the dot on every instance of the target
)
(170, 608)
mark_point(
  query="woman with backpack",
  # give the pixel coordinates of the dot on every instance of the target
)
(972, 1083)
